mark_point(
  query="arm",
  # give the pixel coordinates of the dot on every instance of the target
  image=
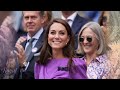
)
(80, 68)
(36, 71)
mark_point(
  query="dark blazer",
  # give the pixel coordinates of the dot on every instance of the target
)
(29, 73)
(76, 26)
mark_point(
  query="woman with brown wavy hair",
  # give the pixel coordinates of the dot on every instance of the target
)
(57, 54)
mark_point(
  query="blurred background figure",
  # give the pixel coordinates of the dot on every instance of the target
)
(114, 36)
(104, 18)
(92, 15)
(48, 17)
(75, 21)
(103, 22)
(4, 52)
(3, 15)
(7, 35)
(17, 24)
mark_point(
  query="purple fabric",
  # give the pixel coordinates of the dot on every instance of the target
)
(52, 71)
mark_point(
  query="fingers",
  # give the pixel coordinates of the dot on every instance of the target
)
(21, 39)
(20, 53)
(20, 49)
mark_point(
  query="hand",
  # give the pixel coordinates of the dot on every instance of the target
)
(20, 54)
(21, 39)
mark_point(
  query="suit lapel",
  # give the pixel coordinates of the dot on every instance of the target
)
(38, 46)
(76, 24)
(24, 43)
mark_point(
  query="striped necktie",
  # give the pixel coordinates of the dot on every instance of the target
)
(29, 48)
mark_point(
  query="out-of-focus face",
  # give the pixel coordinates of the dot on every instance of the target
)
(89, 41)
(32, 21)
(106, 18)
(57, 36)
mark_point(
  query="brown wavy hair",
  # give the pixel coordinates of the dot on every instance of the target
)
(68, 50)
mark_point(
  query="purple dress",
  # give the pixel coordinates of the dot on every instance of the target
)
(57, 69)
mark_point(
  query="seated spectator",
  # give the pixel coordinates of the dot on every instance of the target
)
(92, 44)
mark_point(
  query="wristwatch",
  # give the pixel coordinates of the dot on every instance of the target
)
(24, 64)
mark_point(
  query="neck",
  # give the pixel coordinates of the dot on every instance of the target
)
(57, 54)
(66, 14)
(90, 57)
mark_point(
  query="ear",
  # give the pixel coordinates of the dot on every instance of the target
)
(68, 39)
(43, 19)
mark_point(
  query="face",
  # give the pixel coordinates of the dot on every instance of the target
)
(57, 36)
(32, 21)
(89, 41)
(105, 18)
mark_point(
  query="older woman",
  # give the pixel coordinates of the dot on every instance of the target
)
(93, 45)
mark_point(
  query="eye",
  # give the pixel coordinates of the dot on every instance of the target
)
(52, 32)
(62, 33)
(104, 18)
(33, 17)
(26, 18)
(89, 39)
(81, 39)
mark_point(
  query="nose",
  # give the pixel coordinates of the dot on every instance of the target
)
(85, 40)
(56, 35)
(29, 20)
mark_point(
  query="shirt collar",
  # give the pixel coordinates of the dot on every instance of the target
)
(100, 58)
(71, 17)
(36, 36)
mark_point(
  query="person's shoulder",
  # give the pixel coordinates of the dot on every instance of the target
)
(82, 18)
(78, 61)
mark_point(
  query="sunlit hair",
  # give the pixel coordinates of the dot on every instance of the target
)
(95, 27)
(46, 51)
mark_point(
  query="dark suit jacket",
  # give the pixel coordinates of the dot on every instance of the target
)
(29, 73)
(76, 26)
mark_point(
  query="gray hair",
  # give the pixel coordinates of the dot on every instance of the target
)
(95, 27)
(41, 13)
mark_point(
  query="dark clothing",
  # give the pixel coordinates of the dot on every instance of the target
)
(29, 73)
(20, 33)
(76, 26)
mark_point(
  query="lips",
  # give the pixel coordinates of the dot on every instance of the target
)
(30, 27)
(56, 42)
(87, 46)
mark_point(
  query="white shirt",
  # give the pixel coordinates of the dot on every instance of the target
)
(36, 36)
(71, 17)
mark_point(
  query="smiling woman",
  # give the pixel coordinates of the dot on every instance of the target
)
(57, 59)
(94, 50)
